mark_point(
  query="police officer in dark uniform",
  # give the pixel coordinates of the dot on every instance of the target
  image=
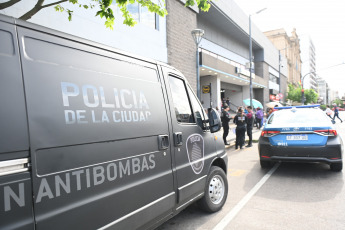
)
(225, 117)
(241, 121)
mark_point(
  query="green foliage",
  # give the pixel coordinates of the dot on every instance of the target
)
(295, 94)
(338, 102)
(105, 9)
(323, 107)
(310, 96)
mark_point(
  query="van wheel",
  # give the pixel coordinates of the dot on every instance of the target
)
(336, 167)
(216, 191)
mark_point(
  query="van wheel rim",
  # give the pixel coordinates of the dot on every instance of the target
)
(216, 189)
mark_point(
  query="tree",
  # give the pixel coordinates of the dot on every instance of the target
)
(295, 94)
(310, 96)
(338, 102)
(104, 8)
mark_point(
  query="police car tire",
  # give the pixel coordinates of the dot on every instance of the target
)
(206, 203)
(265, 164)
(336, 167)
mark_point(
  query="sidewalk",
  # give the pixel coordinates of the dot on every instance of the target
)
(232, 137)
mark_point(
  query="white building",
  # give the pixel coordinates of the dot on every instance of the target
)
(308, 63)
(147, 38)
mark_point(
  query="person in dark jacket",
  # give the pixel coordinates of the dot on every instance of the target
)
(336, 113)
(240, 120)
(250, 122)
(225, 117)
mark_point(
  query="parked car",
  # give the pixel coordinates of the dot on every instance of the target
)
(300, 134)
(96, 138)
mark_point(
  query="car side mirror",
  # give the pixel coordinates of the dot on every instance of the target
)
(214, 120)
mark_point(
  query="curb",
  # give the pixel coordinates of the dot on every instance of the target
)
(255, 139)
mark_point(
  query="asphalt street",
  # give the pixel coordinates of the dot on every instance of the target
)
(287, 196)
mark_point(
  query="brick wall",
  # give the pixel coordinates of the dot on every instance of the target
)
(181, 46)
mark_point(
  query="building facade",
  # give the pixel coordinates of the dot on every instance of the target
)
(289, 47)
(323, 91)
(147, 38)
(308, 63)
(223, 52)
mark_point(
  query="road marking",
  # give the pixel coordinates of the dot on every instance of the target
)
(233, 212)
(238, 172)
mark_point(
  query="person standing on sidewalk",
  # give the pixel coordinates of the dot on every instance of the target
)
(250, 122)
(240, 120)
(336, 113)
(225, 117)
(259, 116)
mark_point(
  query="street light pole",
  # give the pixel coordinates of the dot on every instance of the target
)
(279, 71)
(251, 58)
(250, 62)
(197, 36)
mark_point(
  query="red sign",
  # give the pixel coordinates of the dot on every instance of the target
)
(272, 97)
(280, 96)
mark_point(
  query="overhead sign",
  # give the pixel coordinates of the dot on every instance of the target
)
(206, 89)
(244, 72)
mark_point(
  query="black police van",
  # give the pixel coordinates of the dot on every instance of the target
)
(95, 138)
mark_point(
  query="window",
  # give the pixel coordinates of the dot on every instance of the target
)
(198, 110)
(274, 79)
(143, 15)
(134, 10)
(147, 18)
(182, 106)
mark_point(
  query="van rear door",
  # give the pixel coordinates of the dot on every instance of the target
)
(15, 180)
(98, 133)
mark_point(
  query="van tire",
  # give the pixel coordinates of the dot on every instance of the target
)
(216, 191)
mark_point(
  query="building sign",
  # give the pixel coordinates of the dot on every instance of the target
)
(279, 96)
(272, 97)
(244, 72)
(206, 89)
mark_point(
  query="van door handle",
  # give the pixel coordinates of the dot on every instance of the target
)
(163, 142)
(178, 138)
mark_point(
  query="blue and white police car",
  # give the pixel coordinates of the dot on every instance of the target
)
(300, 134)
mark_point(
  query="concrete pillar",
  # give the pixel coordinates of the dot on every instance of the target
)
(215, 88)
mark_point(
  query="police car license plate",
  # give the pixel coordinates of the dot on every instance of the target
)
(297, 137)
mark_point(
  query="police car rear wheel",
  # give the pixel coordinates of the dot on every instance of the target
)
(216, 190)
(336, 167)
(265, 164)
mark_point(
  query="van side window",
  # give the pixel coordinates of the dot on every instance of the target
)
(197, 108)
(182, 106)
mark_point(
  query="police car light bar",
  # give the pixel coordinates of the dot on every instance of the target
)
(300, 106)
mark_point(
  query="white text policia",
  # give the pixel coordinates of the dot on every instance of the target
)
(123, 105)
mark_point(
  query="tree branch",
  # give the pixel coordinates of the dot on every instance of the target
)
(8, 4)
(33, 11)
(54, 3)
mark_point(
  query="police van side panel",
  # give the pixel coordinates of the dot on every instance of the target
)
(98, 135)
(15, 180)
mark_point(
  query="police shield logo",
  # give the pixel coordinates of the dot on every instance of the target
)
(195, 152)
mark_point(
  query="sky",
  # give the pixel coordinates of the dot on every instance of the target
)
(323, 21)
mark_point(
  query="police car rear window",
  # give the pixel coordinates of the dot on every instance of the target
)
(306, 116)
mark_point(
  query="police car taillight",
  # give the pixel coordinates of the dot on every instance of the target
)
(269, 133)
(326, 132)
